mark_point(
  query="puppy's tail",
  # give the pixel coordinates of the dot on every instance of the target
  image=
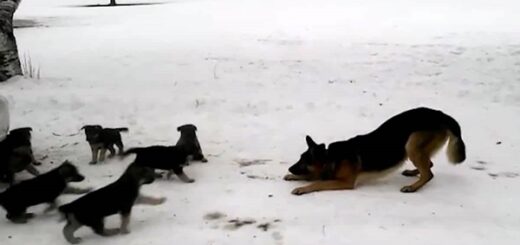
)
(135, 150)
(121, 129)
(456, 147)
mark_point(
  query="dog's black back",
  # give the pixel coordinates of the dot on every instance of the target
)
(385, 147)
(117, 197)
(159, 157)
(44, 188)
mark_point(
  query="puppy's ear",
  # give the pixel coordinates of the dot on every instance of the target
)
(82, 128)
(310, 142)
(179, 128)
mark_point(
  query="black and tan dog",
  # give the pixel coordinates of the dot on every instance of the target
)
(416, 134)
(190, 143)
(16, 154)
(171, 158)
(118, 197)
(44, 188)
(102, 139)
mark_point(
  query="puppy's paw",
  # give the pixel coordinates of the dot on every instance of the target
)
(291, 177)
(190, 181)
(300, 191)
(161, 200)
(92, 162)
(125, 231)
(204, 160)
(74, 240)
(408, 189)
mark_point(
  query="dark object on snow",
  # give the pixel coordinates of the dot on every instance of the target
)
(189, 142)
(16, 154)
(9, 61)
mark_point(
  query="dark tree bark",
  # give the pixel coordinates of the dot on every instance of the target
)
(9, 60)
(113, 3)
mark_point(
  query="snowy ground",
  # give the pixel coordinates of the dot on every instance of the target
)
(256, 76)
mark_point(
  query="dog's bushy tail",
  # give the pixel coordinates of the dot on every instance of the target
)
(456, 147)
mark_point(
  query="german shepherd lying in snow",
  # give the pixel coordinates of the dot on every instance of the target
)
(415, 134)
(118, 197)
(102, 139)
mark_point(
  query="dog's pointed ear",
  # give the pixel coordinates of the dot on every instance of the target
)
(179, 128)
(83, 127)
(310, 142)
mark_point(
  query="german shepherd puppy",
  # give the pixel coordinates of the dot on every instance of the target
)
(171, 158)
(102, 139)
(41, 189)
(16, 154)
(415, 134)
(189, 142)
(117, 197)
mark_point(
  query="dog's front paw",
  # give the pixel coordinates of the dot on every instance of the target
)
(204, 160)
(300, 191)
(75, 240)
(161, 200)
(190, 180)
(92, 162)
(408, 189)
(291, 177)
(125, 231)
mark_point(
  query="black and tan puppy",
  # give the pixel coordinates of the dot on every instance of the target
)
(190, 143)
(171, 158)
(102, 139)
(118, 197)
(44, 188)
(415, 134)
(16, 154)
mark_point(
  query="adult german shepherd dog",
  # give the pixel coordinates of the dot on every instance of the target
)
(416, 134)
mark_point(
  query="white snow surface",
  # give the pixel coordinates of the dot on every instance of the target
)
(256, 76)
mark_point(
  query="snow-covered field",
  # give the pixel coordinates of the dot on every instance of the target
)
(256, 76)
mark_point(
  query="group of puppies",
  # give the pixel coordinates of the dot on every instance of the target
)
(90, 209)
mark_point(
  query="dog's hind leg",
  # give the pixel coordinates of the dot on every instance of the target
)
(120, 147)
(419, 148)
(112, 151)
(18, 216)
(72, 226)
(99, 228)
(413, 172)
(76, 190)
(52, 205)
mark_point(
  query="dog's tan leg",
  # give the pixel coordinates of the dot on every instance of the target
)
(95, 153)
(51, 207)
(345, 180)
(292, 177)
(102, 154)
(413, 172)
(419, 148)
(72, 226)
(142, 199)
(125, 221)
(31, 169)
(76, 190)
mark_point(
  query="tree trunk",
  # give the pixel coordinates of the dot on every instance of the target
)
(113, 3)
(9, 60)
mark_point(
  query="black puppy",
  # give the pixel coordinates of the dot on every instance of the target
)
(102, 139)
(118, 197)
(42, 189)
(189, 142)
(171, 158)
(16, 154)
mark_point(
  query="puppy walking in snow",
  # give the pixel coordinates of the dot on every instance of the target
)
(119, 197)
(102, 139)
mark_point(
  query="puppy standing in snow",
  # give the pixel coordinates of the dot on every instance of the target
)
(189, 142)
(118, 197)
(102, 139)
